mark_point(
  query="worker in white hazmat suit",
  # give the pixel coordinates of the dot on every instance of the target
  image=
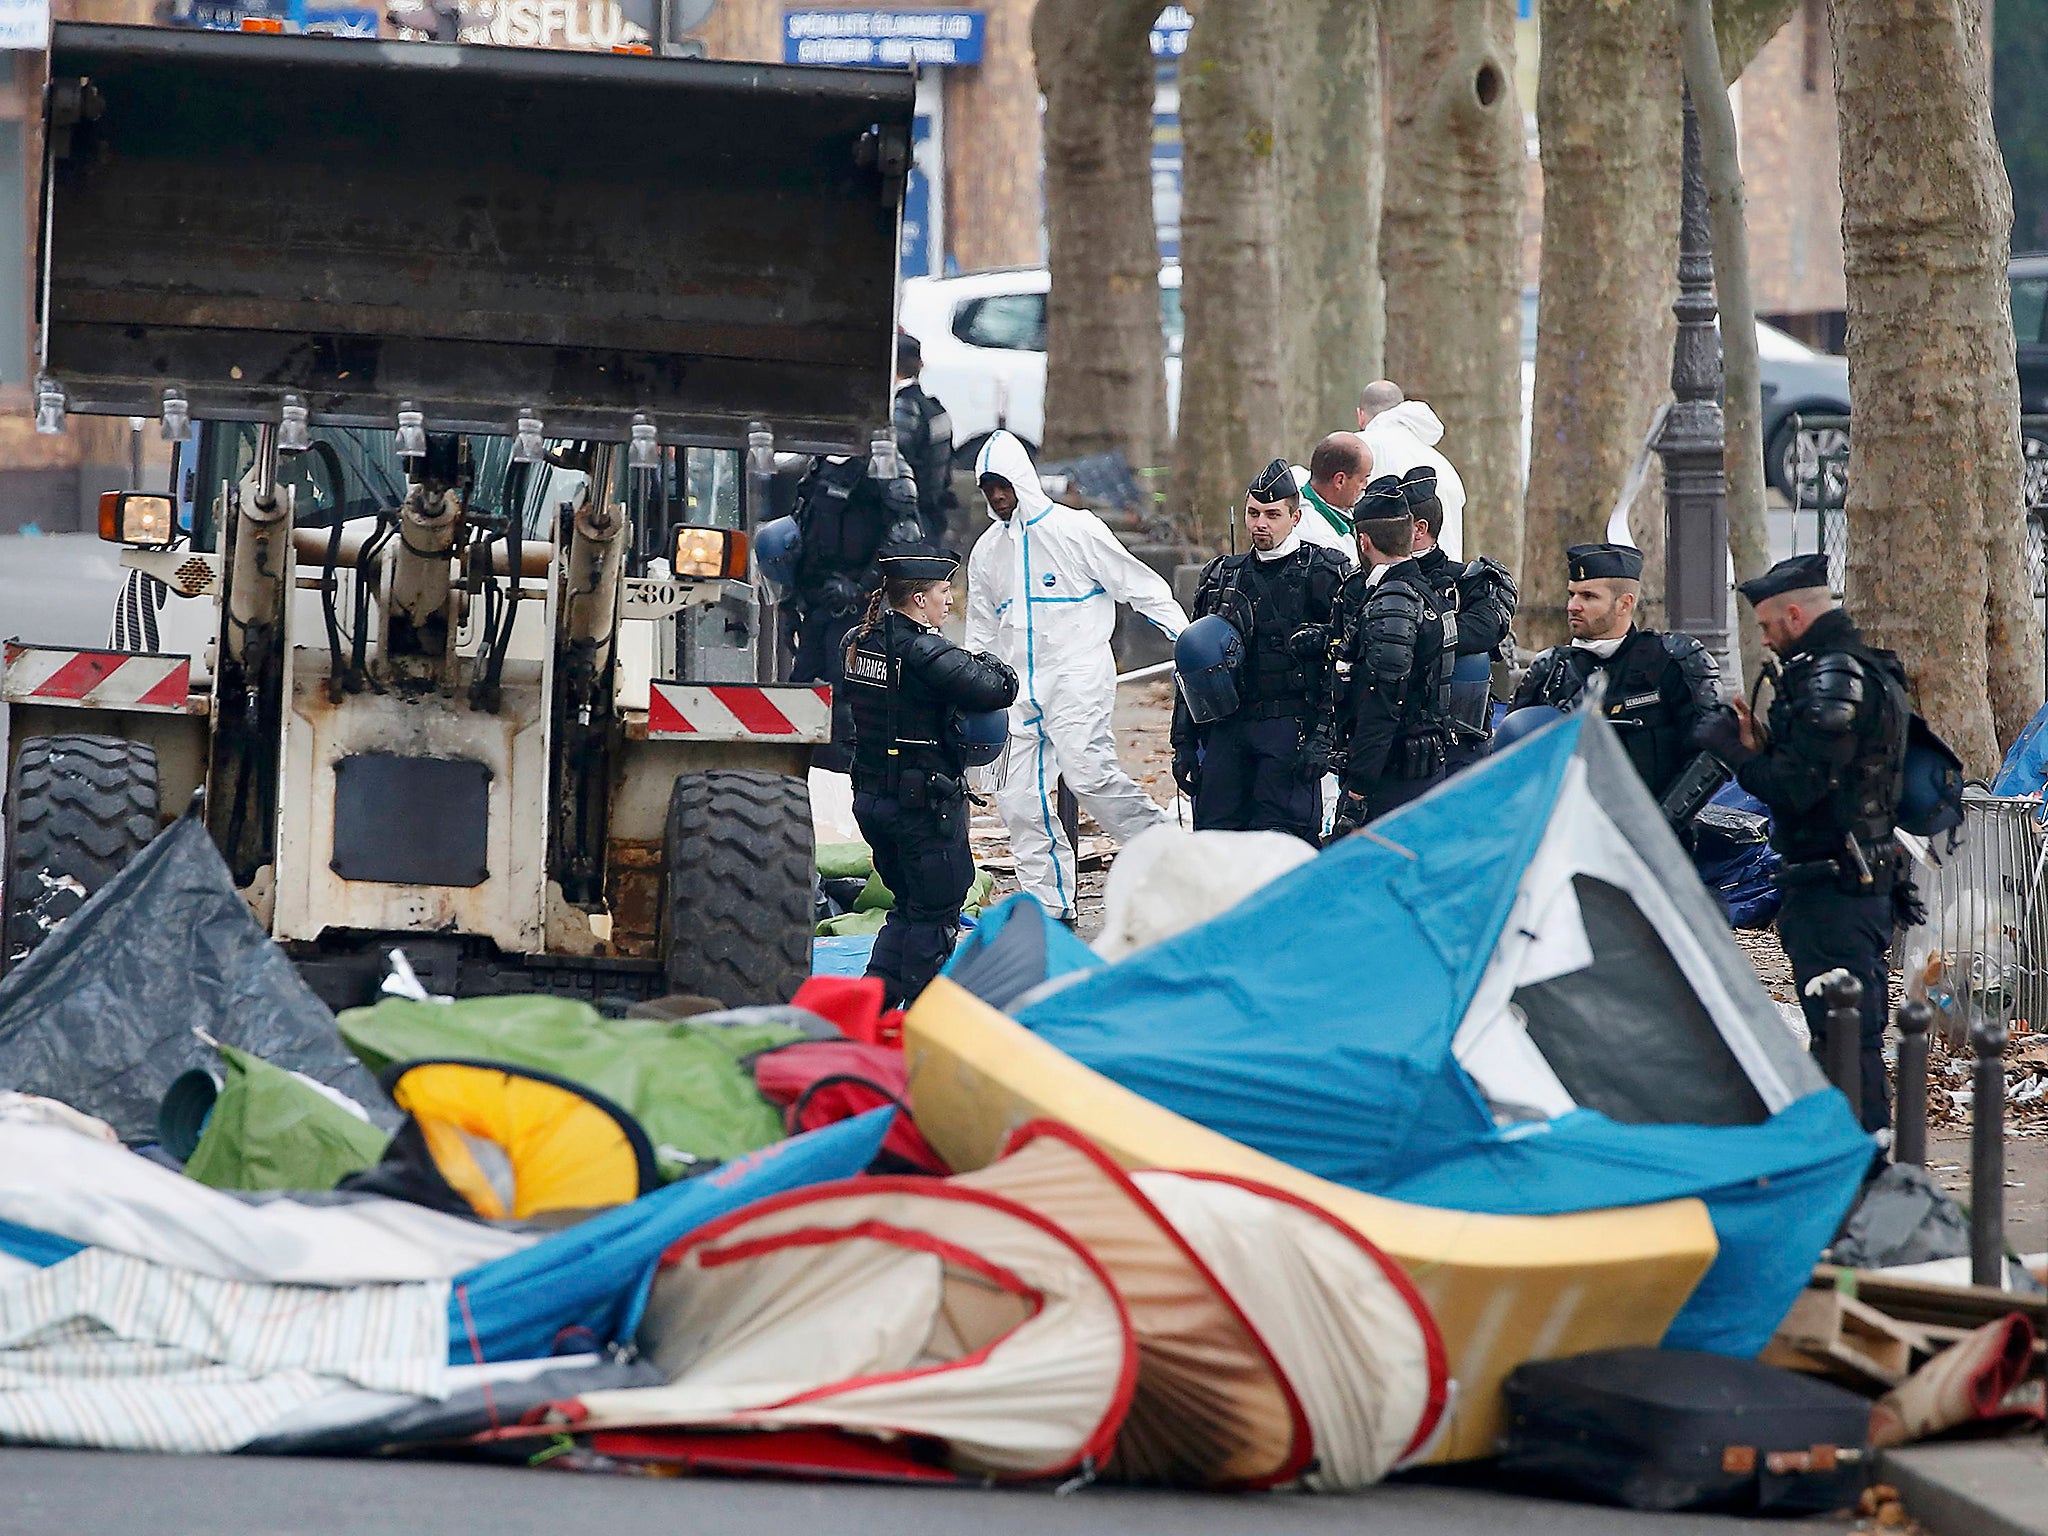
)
(1042, 590)
(1403, 434)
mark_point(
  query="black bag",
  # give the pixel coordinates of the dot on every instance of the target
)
(1679, 1429)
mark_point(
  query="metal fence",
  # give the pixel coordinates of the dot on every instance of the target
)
(1821, 467)
(1983, 951)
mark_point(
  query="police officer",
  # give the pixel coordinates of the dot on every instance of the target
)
(845, 512)
(1390, 688)
(1830, 764)
(1485, 596)
(905, 682)
(1659, 687)
(924, 437)
(1250, 771)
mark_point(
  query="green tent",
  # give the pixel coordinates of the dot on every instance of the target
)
(683, 1081)
(271, 1129)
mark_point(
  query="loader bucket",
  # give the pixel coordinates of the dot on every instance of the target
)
(478, 230)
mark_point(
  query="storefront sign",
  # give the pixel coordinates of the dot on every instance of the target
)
(883, 37)
(25, 24)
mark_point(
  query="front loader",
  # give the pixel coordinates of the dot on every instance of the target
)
(476, 361)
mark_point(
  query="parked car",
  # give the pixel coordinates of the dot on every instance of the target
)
(983, 336)
(2029, 276)
(1797, 380)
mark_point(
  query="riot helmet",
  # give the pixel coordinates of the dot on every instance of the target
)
(1526, 721)
(1931, 791)
(1208, 659)
(777, 545)
(978, 735)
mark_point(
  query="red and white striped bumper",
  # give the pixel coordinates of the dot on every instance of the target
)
(796, 712)
(41, 674)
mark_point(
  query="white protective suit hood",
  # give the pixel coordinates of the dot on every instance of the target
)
(1003, 455)
(1402, 438)
(1414, 417)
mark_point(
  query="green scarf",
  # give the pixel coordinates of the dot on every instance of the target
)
(1331, 515)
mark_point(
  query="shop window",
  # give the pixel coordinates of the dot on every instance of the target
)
(1013, 322)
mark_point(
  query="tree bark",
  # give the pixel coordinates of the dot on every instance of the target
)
(1749, 540)
(1105, 377)
(1607, 103)
(1937, 555)
(1451, 245)
(1331, 165)
(1608, 114)
(1231, 420)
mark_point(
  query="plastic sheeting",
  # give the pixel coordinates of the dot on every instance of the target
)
(104, 1014)
(1015, 951)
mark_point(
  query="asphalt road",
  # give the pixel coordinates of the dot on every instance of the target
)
(86, 1493)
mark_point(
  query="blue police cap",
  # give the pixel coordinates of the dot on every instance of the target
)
(917, 562)
(1603, 562)
(1794, 575)
(1383, 499)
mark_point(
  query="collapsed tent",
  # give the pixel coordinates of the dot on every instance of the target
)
(585, 1287)
(1016, 951)
(889, 1307)
(1211, 1406)
(482, 1139)
(110, 1351)
(682, 1079)
(116, 1004)
(1552, 1018)
(261, 1127)
(61, 1191)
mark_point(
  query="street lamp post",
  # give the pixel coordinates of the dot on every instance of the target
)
(1694, 435)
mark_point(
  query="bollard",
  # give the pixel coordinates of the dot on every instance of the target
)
(1909, 1131)
(1987, 1155)
(1842, 995)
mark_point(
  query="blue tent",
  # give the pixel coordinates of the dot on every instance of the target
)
(584, 1288)
(1511, 996)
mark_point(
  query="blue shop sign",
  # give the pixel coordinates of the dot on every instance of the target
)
(883, 37)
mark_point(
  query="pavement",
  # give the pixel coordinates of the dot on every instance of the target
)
(1974, 1488)
(82, 1493)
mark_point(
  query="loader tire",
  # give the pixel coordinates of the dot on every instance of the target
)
(78, 809)
(736, 898)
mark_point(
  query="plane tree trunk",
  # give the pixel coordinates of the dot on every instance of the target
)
(1105, 384)
(1938, 569)
(1231, 419)
(1451, 246)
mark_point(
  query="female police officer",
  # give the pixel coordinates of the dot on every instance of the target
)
(906, 683)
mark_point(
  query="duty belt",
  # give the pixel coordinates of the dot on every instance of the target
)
(1880, 862)
(1287, 706)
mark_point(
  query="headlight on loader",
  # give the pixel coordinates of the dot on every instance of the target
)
(708, 554)
(140, 519)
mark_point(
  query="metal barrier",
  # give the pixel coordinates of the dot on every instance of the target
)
(1983, 952)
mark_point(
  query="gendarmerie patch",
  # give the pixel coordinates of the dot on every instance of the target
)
(1637, 701)
(864, 667)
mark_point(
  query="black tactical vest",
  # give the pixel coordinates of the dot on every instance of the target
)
(892, 708)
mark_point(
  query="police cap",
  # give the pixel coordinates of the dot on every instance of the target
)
(1419, 486)
(916, 562)
(1383, 499)
(1274, 483)
(1793, 575)
(1603, 562)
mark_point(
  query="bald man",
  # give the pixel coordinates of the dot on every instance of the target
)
(1335, 478)
(1403, 435)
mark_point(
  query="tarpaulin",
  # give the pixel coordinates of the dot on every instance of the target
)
(682, 1079)
(104, 1013)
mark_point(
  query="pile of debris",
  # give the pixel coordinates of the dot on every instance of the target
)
(1950, 1073)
